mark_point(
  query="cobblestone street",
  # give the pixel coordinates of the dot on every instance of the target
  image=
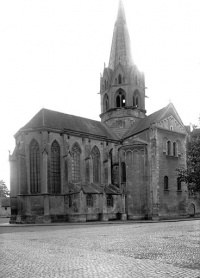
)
(165, 249)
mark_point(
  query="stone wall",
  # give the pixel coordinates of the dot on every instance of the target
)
(172, 202)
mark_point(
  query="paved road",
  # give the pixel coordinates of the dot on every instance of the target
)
(167, 249)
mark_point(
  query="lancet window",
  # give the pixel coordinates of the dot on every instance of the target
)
(123, 172)
(166, 185)
(96, 164)
(55, 168)
(106, 102)
(168, 148)
(136, 101)
(120, 98)
(179, 184)
(119, 79)
(76, 161)
(34, 167)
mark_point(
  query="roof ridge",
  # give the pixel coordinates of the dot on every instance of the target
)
(54, 111)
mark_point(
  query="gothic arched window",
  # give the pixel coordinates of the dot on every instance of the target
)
(166, 186)
(123, 172)
(120, 98)
(174, 149)
(55, 168)
(136, 101)
(96, 164)
(76, 161)
(179, 184)
(110, 201)
(168, 148)
(106, 102)
(34, 167)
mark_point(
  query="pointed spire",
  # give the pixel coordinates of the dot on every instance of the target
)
(121, 13)
(120, 49)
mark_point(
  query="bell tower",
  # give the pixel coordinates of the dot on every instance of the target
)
(122, 85)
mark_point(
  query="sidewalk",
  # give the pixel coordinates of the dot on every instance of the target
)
(115, 222)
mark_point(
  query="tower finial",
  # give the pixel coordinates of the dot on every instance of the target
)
(121, 13)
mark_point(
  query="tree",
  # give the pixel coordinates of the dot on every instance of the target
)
(4, 192)
(191, 175)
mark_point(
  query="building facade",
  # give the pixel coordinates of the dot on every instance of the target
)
(69, 168)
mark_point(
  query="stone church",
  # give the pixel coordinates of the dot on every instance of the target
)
(69, 168)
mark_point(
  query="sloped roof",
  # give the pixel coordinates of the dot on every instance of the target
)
(152, 119)
(60, 121)
(90, 190)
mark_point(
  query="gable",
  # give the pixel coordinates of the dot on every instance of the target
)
(171, 123)
(165, 118)
(119, 70)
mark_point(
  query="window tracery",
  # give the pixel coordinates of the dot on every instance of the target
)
(76, 155)
(96, 164)
(55, 168)
(89, 200)
(120, 98)
(34, 167)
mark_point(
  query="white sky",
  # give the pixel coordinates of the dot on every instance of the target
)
(52, 53)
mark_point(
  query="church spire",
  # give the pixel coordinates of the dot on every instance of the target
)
(120, 49)
(121, 14)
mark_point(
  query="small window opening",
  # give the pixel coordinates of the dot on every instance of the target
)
(123, 172)
(119, 79)
(166, 186)
(123, 101)
(174, 149)
(110, 201)
(134, 103)
(179, 184)
(118, 101)
(168, 148)
(70, 201)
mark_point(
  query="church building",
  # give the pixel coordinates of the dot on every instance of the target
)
(69, 168)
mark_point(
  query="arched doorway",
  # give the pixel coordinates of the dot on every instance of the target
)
(191, 210)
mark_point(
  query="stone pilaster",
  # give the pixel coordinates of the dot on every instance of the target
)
(46, 217)
(104, 215)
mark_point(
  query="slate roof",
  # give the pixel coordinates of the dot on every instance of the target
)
(93, 189)
(59, 121)
(152, 119)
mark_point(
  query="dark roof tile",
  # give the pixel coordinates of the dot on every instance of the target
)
(60, 121)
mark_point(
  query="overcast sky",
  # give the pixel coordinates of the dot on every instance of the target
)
(52, 53)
